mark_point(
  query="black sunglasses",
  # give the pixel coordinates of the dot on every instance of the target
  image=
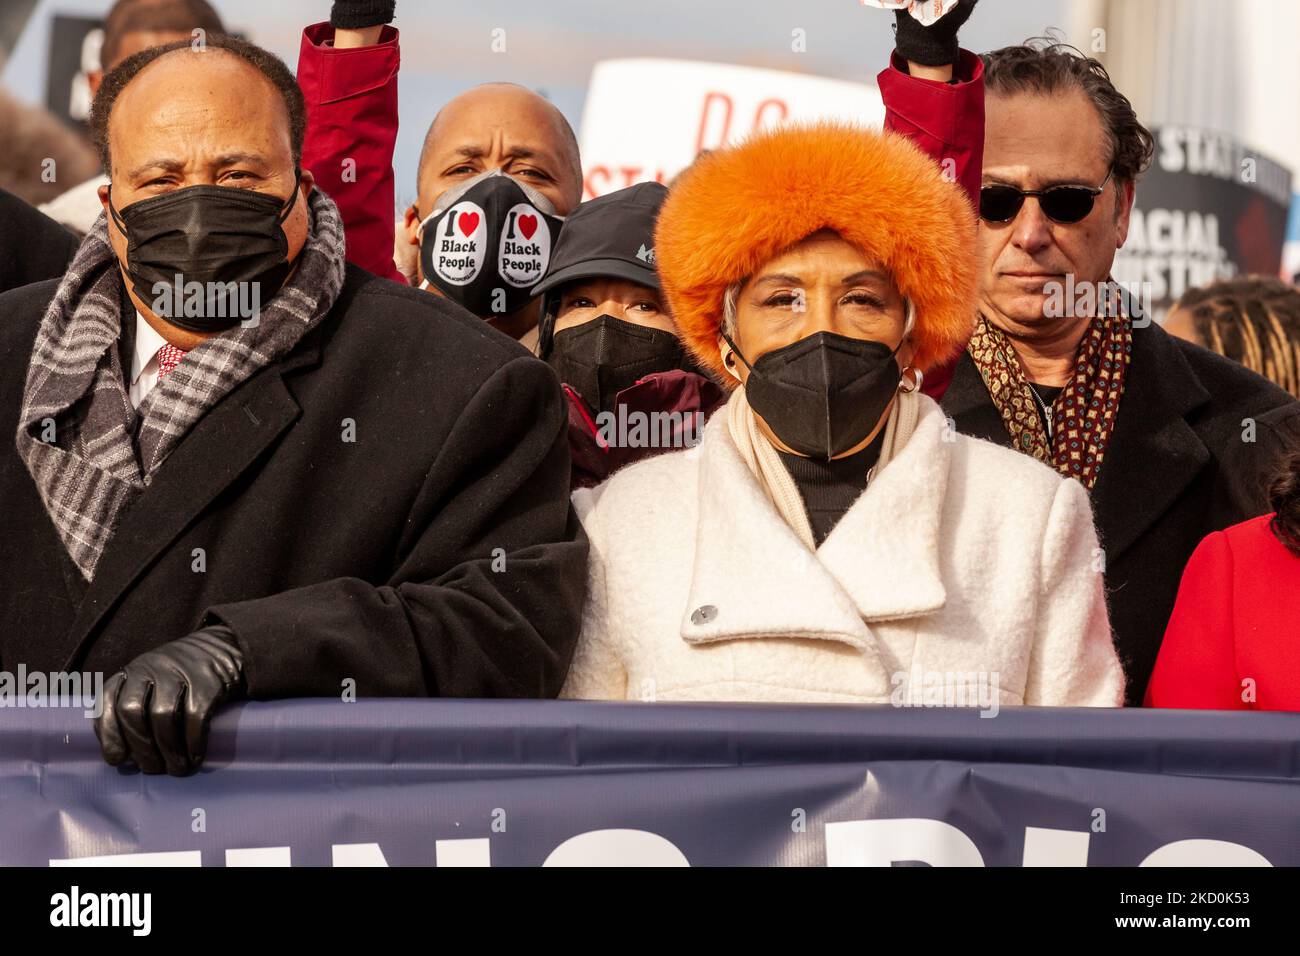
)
(1064, 204)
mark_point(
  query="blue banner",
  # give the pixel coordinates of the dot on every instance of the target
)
(479, 783)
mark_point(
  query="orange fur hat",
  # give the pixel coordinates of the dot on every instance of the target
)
(737, 208)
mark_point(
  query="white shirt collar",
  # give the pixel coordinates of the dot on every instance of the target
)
(147, 344)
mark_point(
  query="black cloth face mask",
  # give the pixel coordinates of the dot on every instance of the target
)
(600, 358)
(488, 242)
(823, 394)
(213, 236)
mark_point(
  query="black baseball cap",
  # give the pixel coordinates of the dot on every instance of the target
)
(611, 236)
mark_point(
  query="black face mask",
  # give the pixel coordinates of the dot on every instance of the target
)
(488, 243)
(600, 358)
(822, 395)
(183, 248)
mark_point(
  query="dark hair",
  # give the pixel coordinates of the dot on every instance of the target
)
(1284, 498)
(155, 16)
(268, 64)
(1044, 65)
(1254, 320)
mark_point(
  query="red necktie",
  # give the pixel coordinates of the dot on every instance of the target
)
(169, 356)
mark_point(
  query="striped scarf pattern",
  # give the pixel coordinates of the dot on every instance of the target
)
(76, 427)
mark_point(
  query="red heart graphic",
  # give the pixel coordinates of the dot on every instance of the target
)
(528, 226)
(468, 222)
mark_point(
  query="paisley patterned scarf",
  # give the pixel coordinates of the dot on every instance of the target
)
(1083, 415)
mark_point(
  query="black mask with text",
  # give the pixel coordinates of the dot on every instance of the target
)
(206, 257)
(822, 394)
(487, 242)
(601, 358)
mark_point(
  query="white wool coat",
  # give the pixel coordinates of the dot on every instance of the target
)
(962, 566)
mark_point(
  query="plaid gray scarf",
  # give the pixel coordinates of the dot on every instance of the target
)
(76, 426)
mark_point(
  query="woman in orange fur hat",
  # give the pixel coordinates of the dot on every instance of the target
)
(832, 538)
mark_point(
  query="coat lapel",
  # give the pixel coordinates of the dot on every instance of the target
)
(1154, 453)
(753, 578)
(968, 403)
(218, 449)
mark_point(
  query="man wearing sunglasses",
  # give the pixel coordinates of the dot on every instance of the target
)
(1063, 203)
(1170, 439)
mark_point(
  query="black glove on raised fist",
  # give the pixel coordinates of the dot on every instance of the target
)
(355, 14)
(157, 709)
(935, 45)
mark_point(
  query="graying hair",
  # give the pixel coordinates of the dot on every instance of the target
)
(730, 306)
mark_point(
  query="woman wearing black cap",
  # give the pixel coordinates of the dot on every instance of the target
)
(633, 389)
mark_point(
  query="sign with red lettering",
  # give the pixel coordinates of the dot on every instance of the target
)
(647, 119)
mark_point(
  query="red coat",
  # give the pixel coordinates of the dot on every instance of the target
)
(1237, 619)
(947, 121)
(351, 130)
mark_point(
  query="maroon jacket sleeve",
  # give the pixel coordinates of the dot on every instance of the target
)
(351, 130)
(947, 121)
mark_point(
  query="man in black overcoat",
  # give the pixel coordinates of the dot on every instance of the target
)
(1172, 441)
(237, 467)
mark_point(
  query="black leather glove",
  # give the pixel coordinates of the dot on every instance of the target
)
(157, 709)
(935, 45)
(355, 14)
